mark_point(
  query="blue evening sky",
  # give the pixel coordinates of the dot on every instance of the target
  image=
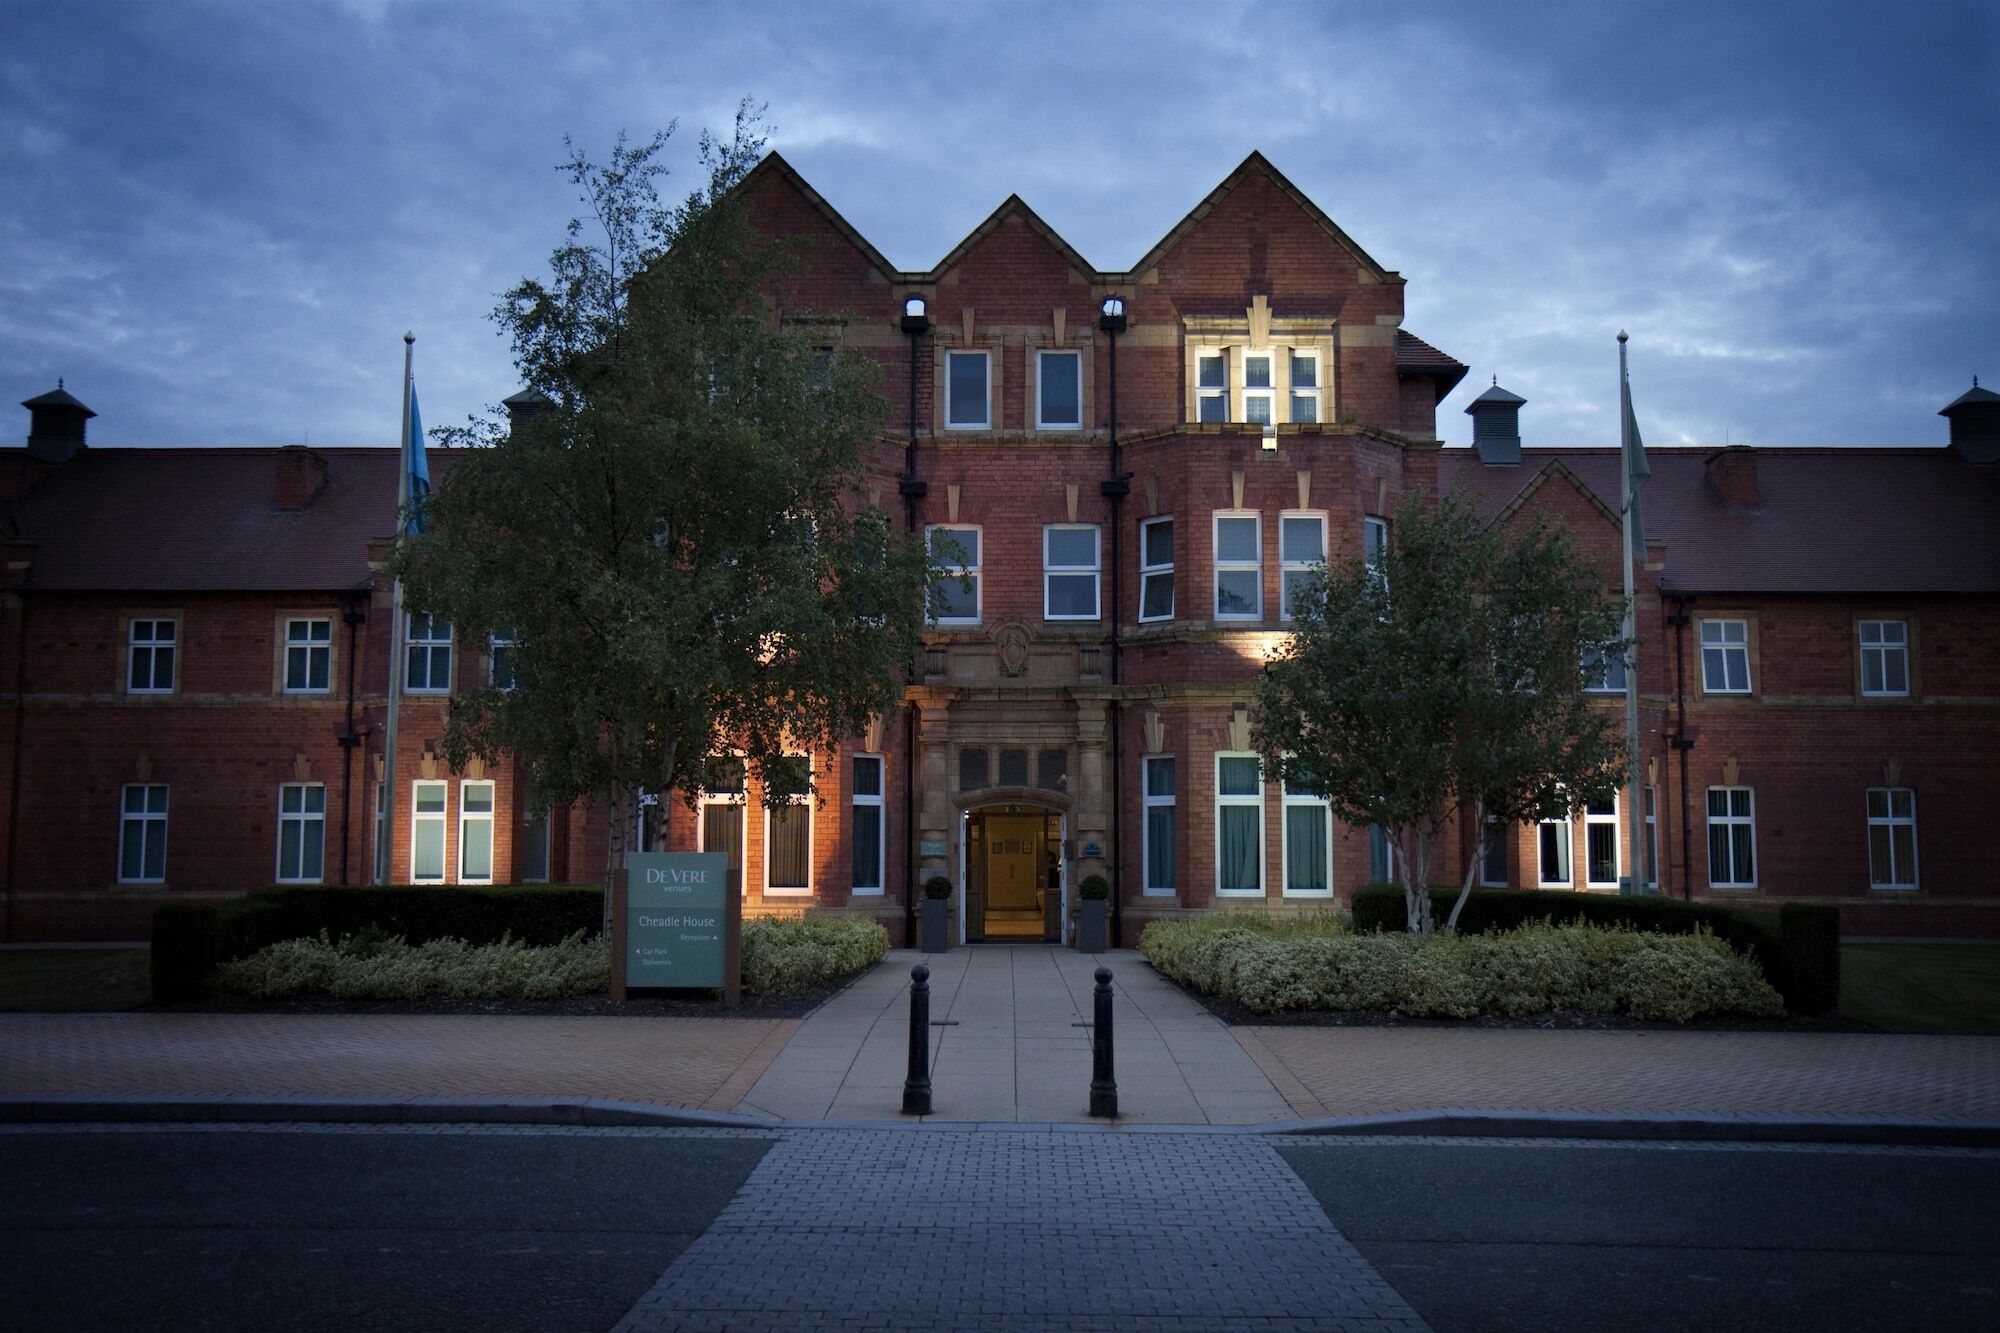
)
(217, 219)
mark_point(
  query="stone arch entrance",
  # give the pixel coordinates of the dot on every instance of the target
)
(1013, 872)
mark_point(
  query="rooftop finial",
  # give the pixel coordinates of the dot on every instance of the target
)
(409, 338)
(1621, 335)
(1496, 381)
(1975, 381)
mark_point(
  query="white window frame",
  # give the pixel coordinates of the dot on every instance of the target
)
(151, 646)
(879, 805)
(1223, 802)
(430, 645)
(1652, 870)
(1219, 566)
(1042, 355)
(442, 818)
(1151, 803)
(309, 647)
(1597, 670)
(1735, 823)
(380, 850)
(144, 819)
(1725, 646)
(495, 644)
(1567, 824)
(1149, 572)
(985, 421)
(738, 797)
(805, 803)
(1095, 569)
(304, 818)
(468, 819)
(1882, 650)
(1889, 823)
(1288, 801)
(1211, 393)
(1293, 393)
(1592, 819)
(1267, 392)
(972, 571)
(1296, 566)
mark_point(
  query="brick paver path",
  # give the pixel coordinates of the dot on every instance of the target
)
(1021, 1230)
(1363, 1071)
(702, 1062)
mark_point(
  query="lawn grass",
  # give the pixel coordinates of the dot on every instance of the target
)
(1921, 987)
(74, 979)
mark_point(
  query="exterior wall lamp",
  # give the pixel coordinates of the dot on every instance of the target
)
(1111, 317)
(916, 316)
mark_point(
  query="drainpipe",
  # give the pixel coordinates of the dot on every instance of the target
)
(14, 778)
(1679, 620)
(915, 323)
(352, 617)
(1111, 319)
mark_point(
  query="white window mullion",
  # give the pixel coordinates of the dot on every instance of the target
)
(1239, 825)
(1239, 565)
(1158, 835)
(475, 832)
(1156, 569)
(1070, 586)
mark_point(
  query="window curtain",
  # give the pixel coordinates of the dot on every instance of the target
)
(1160, 847)
(791, 826)
(1238, 853)
(867, 847)
(1305, 849)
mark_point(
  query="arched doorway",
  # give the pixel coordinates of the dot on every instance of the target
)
(1013, 871)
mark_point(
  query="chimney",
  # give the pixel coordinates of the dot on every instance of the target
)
(1732, 474)
(55, 425)
(1496, 425)
(1975, 424)
(301, 476)
(523, 407)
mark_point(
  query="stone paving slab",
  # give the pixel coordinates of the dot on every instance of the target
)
(1330, 1071)
(706, 1063)
(872, 1229)
(1010, 1043)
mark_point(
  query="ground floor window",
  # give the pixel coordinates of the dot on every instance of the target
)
(142, 833)
(788, 847)
(381, 833)
(1732, 838)
(1552, 838)
(1381, 856)
(301, 832)
(1494, 866)
(1600, 844)
(475, 833)
(1159, 829)
(866, 830)
(1239, 825)
(427, 815)
(1308, 852)
(1892, 837)
(531, 840)
(1653, 836)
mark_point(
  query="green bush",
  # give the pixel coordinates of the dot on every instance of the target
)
(1797, 947)
(784, 955)
(1528, 970)
(368, 965)
(1094, 889)
(189, 942)
(937, 887)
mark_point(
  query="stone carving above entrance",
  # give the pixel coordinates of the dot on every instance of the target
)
(1010, 644)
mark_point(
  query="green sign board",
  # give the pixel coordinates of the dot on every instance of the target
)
(674, 908)
(926, 847)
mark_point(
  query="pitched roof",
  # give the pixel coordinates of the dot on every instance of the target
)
(1414, 356)
(1258, 164)
(1828, 520)
(1013, 204)
(160, 520)
(773, 164)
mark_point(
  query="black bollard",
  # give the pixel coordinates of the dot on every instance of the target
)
(917, 1087)
(1103, 1080)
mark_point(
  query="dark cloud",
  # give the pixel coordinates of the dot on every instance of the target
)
(220, 218)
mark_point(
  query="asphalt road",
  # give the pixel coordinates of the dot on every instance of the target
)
(1496, 1238)
(349, 1231)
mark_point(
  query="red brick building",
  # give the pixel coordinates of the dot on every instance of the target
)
(1131, 498)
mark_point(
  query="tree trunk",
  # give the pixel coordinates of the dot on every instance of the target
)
(1415, 866)
(1472, 868)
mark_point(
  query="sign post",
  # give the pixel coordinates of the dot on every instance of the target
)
(675, 924)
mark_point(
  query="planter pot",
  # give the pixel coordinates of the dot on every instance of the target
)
(1090, 926)
(937, 924)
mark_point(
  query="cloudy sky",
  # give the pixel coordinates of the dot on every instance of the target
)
(217, 219)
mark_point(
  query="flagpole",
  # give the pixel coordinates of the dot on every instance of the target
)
(1635, 801)
(385, 851)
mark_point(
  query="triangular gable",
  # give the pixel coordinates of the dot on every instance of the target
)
(1013, 204)
(1258, 163)
(773, 163)
(1553, 470)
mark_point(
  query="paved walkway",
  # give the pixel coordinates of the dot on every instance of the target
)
(1327, 1071)
(700, 1062)
(1029, 1230)
(1010, 1043)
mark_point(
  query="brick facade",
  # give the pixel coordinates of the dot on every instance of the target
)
(1254, 270)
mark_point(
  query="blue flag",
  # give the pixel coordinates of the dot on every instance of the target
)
(420, 472)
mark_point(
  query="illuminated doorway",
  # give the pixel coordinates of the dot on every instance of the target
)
(1013, 874)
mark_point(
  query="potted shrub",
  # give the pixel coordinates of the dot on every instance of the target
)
(1092, 894)
(937, 914)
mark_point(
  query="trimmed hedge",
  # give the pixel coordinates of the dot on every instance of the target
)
(811, 950)
(367, 966)
(1797, 947)
(190, 941)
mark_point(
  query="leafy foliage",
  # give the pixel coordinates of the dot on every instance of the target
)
(1444, 682)
(785, 955)
(679, 541)
(373, 965)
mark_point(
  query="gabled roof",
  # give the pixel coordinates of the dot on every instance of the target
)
(1013, 204)
(1416, 357)
(1255, 165)
(773, 163)
(1554, 471)
(1831, 521)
